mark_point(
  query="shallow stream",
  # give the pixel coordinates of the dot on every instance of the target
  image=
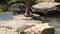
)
(54, 21)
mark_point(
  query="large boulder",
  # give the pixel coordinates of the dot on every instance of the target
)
(40, 29)
(39, 1)
(17, 8)
(45, 7)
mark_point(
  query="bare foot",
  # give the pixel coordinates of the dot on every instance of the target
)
(27, 14)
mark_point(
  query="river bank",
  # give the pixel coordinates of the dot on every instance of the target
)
(12, 25)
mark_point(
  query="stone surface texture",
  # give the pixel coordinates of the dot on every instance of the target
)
(18, 24)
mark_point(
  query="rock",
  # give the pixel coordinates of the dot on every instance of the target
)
(40, 29)
(45, 7)
(57, 0)
(18, 25)
(39, 1)
(16, 8)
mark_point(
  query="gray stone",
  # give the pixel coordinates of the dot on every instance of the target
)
(44, 7)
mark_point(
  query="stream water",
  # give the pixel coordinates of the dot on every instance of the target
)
(54, 21)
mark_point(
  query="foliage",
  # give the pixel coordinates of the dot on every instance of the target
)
(4, 2)
(24, 0)
(1, 8)
(20, 1)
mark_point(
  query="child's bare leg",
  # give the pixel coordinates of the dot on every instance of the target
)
(28, 7)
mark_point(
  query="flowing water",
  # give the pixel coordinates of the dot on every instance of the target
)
(54, 21)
